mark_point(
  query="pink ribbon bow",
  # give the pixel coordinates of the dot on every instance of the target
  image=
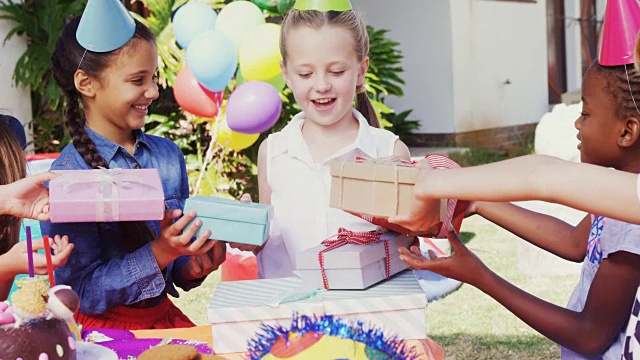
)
(344, 237)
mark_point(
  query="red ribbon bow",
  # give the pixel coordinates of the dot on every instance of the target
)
(344, 237)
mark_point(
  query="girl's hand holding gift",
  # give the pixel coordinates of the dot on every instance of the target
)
(462, 265)
(425, 210)
(202, 265)
(27, 198)
(246, 247)
(175, 241)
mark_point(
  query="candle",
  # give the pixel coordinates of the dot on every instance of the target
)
(47, 254)
(29, 251)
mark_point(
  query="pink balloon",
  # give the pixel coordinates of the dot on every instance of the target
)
(193, 97)
(254, 107)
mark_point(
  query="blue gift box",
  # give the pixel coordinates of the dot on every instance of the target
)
(232, 220)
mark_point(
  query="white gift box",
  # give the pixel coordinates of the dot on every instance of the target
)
(352, 266)
(239, 308)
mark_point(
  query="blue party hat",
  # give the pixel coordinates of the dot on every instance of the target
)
(106, 25)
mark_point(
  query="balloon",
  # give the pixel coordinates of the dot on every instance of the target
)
(237, 19)
(254, 107)
(212, 59)
(276, 6)
(260, 53)
(276, 81)
(192, 96)
(231, 139)
(285, 5)
(192, 19)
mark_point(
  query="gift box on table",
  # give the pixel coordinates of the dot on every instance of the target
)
(341, 262)
(232, 220)
(104, 195)
(238, 308)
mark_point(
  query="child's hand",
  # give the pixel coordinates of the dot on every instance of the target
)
(245, 247)
(202, 265)
(255, 249)
(27, 198)
(424, 214)
(463, 265)
(18, 260)
(175, 241)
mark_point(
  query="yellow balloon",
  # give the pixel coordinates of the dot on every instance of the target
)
(238, 19)
(231, 139)
(259, 55)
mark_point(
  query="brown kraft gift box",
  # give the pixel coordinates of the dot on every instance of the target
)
(379, 189)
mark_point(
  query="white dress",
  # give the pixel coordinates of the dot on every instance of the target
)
(300, 193)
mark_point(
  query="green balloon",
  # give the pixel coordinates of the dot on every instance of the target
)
(277, 81)
(269, 5)
(285, 5)
(275, 6)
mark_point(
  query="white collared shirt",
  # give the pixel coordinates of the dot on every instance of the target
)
(300, 190)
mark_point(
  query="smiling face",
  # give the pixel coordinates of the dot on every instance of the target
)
(124, 90)
(322, 69)
(598, 125)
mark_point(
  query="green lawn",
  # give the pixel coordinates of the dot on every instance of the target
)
(467, 323)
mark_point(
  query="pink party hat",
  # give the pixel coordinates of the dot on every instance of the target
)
(619, 31)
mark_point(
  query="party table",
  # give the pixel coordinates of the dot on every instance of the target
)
(427, 349)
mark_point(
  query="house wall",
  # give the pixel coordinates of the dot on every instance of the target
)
(423, 28)
(13, 101)
(470, 65)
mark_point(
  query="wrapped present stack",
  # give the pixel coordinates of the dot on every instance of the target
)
(351, 275)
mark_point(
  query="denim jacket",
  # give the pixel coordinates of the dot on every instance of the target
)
(102, 277)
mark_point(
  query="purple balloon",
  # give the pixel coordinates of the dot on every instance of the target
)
(253, 107)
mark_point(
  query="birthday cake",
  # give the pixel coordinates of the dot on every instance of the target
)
(35, 325)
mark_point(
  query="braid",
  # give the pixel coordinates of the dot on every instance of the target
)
(629, 92)
(625, 93)
(81, 141)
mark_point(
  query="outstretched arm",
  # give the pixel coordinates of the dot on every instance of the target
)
(544, 231)
(600, 322)
(586, 187)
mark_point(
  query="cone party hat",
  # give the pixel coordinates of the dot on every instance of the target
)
(619, 32)
(106, 25)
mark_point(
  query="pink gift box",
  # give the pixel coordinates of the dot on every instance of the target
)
(105, 195)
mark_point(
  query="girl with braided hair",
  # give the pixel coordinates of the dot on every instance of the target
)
(123, 271)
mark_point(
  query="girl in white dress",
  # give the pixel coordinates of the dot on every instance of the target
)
(325, 59)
